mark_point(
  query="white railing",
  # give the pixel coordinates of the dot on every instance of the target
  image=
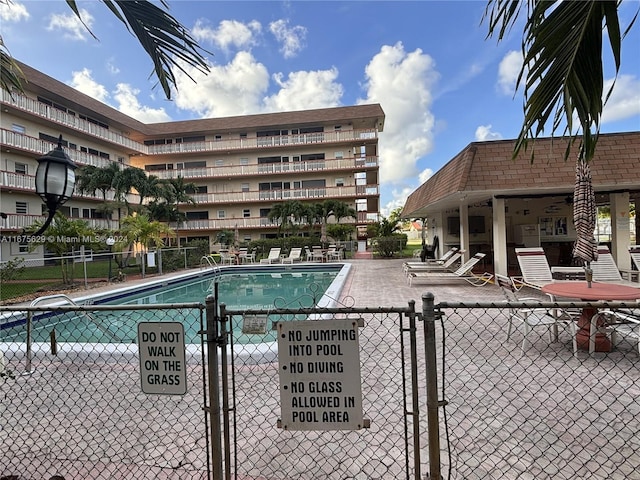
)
(19, 221)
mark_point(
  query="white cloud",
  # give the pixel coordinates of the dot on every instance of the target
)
(624, 101)
(230, 33)
(305, 91)
(484, 133)
(291, 38)
(508, 72)
(425, 175)
(128, 104)
(236, 88)
(398, 199)
(70, 25)
(83, 82)
(13, 12)
(402, 83)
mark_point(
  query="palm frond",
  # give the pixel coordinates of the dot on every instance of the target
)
(562, 73)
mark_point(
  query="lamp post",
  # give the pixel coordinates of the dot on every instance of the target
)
(110, 242)
(55, 181)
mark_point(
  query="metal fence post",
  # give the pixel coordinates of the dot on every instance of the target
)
(429, 316)
(214, 386)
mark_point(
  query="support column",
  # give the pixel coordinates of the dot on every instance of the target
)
(500, 260)
(620, 229)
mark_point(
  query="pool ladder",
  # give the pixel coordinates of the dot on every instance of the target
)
(91, 318)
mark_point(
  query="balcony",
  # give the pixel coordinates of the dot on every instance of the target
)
(39, 148)
(74, 122)
(12, 180)
(61, 117)
(347, 164)
(18, 222)
(320, 193)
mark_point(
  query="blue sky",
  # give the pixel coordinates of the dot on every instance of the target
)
(441, 83)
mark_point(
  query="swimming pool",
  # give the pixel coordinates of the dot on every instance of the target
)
(239, 287)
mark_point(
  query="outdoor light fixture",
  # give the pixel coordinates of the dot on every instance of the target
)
(55, 181)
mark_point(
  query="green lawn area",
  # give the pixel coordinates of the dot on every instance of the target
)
(11, 289)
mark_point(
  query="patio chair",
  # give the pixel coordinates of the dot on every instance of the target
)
(447, 266)
(247, 256)
(317, 255)
(536, 271)
(295, 255)
(606, 270)
(613, 323)
(634, 251)
(333, 253)
(226, 258)
(462, 273)
(273, 257)
(531, 318)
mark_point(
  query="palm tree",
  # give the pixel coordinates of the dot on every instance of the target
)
(331, 208)
(286, 213)
(140, 229)
(127, 180)
(90, 179)
(562, 73)
(177, 192)
(166, 41)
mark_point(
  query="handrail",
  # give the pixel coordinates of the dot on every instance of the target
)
(67, 299)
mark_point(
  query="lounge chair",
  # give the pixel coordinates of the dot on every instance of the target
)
(634, 251)
(462, 273)
(606, 270)
(536, 271)
(274, 256)
(448, 254)
(295, 255)
(447, 266)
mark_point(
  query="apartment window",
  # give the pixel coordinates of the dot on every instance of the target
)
(219, 163)
(244, 161)
(18, 128)
(246, 213)
(245, 187)
(86, 213)
(75, 212)
(221, 214)
(339, 182)
(22, 208)
(217, 138)
(338, 155)
(21, 168)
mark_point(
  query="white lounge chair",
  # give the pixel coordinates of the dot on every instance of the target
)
(447, 266)
(462, 273)
(536, 271)
(295, 255)
(274, 256)
(606, 270)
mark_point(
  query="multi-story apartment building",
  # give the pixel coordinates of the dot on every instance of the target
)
(241, 166)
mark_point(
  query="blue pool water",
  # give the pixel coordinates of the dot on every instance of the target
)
(238, 288)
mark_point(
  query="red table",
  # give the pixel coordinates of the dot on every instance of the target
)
(597, 292)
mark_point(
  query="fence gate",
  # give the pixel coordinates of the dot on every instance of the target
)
(260, 444)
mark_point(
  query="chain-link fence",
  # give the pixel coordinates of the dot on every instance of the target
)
(72, 403)
(541, 412)
(444, 394)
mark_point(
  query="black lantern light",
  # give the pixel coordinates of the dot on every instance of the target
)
(55, 181)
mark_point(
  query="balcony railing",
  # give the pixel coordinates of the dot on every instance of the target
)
(28, 183)
(61, 117)
(239, 223)
(19, 222)
(277, 195)
(40, 147)
(348, 164)
(72, 121)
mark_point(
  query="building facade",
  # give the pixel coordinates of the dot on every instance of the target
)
(241, 166)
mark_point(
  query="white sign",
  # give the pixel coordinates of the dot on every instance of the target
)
(163, 367)
(319, 370)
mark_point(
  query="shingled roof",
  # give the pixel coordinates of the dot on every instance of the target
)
(486, 169)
